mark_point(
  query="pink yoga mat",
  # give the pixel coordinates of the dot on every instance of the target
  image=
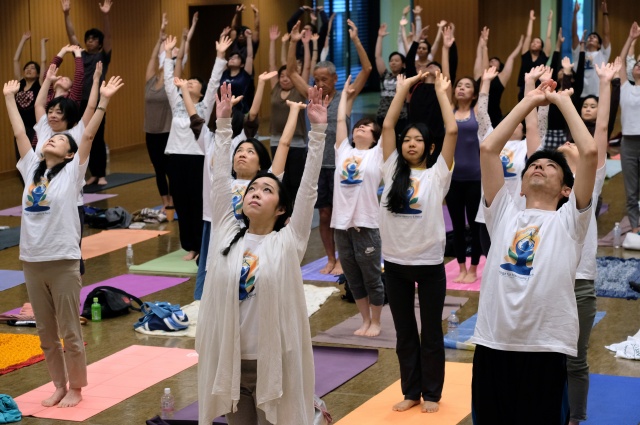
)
(112, 380)
(452, 270)
(135, 284)
(88, 198)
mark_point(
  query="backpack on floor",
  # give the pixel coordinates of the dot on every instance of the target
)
(114, 302)
(111, 218)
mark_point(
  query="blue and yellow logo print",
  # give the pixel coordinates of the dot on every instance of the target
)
(237, 193)
(412, 206)
(506, 157)
(522, 250)
(351, 173)
(248, 274)
(37, 196)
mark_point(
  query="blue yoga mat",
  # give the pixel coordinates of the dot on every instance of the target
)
(10, 278)
(311, 271)
(466, 328)
(9, 237)
(613, 400)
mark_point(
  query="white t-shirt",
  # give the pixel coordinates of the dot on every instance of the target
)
(417, 236)
(249, 314)
(355, 189)
(513, 157)
(527, 302)
(44, 133)
(630, 105)
(587, 268)
(50, 229)
(591, 80)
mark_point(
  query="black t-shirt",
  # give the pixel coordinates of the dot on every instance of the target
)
(26, 99)
(528, 63)
(241, 85)
(89, 60)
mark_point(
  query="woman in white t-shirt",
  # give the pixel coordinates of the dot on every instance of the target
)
(413, 239)
(355, 212)
(49, 243)
(253, 339)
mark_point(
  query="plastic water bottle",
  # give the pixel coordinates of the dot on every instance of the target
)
(129, 256)
(166, 404)
(453, 324)
(617, 236)
(96, 310)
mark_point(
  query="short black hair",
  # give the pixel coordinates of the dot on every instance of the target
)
(203, 88)
(436, 63)
(263, 155)
(402, 58)
(501, 64)
(242, 57)
(425, 41)
(598, 37)
(95, 33)
(36, 64)
(376, 132)
(557, 157)
(69, 108)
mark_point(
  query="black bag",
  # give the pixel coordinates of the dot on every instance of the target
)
(114, 302)
(111, 218)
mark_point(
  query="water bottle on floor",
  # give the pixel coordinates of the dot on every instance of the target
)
(166, 404)
(129, 256)
(617, 236)
(453, 324)
(96, 310)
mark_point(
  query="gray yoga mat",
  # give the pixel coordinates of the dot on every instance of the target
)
(9, 237)
(116, 179)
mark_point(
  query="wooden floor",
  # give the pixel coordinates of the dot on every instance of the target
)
(105, 338)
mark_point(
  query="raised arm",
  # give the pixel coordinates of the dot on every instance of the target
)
(216, 74)
(177, 71)
(381, 66)
(547, 41)
(393, 113)
(298, 82)
(344, 110)
(152, 65)
(438, 40)
(274, 34)
(450, 126)
(257, 97)
(448, 39)
(481, 54)
(306, 62)
(606, 73)
(527, 38)
(505, 74)
(284, 48)
(43, 57)
(248, 63)
(484, 120)
(105, 7)
(606, 31)
(78, 75)
(17, 66)
(534, 140)
(634, 33)
(93, 95)
(363, 76)
(325, 48)
(41, 99)
(314, 53)
(256, 23)
(184, 47)
(575, 39)
(106, 92)
(71, 32)
(280, 157)
(10, 90)
(169, 87)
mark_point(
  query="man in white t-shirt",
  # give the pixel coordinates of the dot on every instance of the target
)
(597, 51)
(527, 317)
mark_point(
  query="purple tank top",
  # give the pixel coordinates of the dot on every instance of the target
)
(467, 156)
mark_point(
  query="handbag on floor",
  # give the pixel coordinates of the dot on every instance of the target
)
(114, 302)
(162, 316)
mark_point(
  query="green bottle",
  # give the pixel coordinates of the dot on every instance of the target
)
(96, 311)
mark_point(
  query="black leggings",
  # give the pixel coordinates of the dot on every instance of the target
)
(485, 239)
(98, 155)
(156, 144)
(185, 179)
(464, 196)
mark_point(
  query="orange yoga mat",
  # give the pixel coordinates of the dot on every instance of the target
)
(455, 404)
(112, 380)
(111, 240)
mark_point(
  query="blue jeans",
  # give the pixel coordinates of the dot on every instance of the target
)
(202, 261)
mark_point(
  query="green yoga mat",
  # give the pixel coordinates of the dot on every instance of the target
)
(168, 264)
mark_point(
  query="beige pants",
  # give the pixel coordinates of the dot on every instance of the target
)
(54, 293)
(248, 413)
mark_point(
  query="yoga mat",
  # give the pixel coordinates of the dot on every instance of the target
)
(466, 329)
(342, 333)
(18, 351)
(117, 179)
(614, 166)
(603, 209)
(167, 264)
(455, 404)
(452, 270)
(88, 198)
(333, 366)
(10, 278)
(112, 240)
(614, 275)
(9, 237)
(112, 380)
(613, 400)
(625, 227)
(311, 271)
(137, 285)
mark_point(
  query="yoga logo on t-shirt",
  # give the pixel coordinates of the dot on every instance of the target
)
(522, 251)
(37, 196)
(412, 206)
(506, 156)
(351, 173)
(237, 193)
(248, 274)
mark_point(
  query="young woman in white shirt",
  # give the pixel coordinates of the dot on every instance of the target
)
(49, 243)
(254, 342)
(413, 240)
(355, 212)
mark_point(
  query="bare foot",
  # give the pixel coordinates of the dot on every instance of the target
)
(374, 329)
(460, 277)
(329, 267)
(470, 278)
(337, 269)
(55, 398)
(91, 180)
(102, 181)
(430, 407)
(73, 397)
(190, 256)
(405, 405)
(363, 329)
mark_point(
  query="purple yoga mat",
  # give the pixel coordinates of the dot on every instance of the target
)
(311, 271)
(135, 284)
(333, 365)
(10, 278)
(88, 198)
